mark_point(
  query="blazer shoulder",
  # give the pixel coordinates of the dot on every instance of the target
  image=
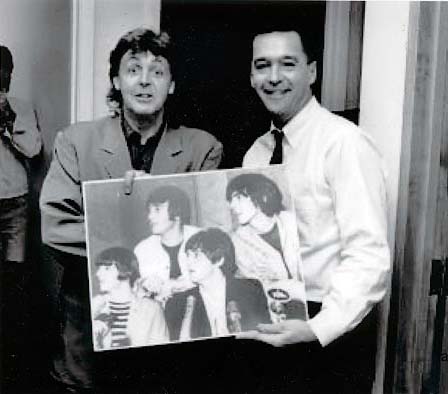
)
(88, 130)
(199, 136)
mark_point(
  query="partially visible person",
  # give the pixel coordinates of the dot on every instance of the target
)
(267, 243)
(20, 140)
(338, 184)
(161, 256)
(223, 304)
(120, 317)
(137, 137)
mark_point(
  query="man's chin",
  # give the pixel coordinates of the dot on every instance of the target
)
(276, 107)
(144, 111)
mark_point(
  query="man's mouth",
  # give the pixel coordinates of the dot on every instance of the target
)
(276, 93)
(143, 97)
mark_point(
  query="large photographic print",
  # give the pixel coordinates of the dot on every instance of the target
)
(191, 256)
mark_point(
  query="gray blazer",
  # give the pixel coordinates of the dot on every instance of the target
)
(97, 150)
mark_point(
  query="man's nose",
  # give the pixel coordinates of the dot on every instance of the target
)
(151, 215)
(274, 75)
(145, 77)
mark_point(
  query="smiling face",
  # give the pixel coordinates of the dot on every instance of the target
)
(159, 218)
(200, 266)
(243, 208)
(280, 73)
(108, 277)
(145, 82)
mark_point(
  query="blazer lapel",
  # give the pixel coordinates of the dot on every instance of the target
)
(165, 157)
(114, 150)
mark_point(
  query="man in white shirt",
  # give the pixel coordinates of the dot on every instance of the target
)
(161, 257)
(338, 184)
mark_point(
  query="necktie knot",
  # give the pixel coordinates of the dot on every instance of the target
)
(277, 154)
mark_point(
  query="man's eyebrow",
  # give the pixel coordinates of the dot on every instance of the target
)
(260, 59)
(290, 57)
(282, 58)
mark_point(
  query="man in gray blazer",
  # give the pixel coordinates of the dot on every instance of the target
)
(137, 136)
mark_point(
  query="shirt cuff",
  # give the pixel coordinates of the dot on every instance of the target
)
(327, 325)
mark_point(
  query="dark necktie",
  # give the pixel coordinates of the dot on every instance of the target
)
(277, 154)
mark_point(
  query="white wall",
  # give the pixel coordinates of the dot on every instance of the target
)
(382, 112)
(38, 34)
(383, 86)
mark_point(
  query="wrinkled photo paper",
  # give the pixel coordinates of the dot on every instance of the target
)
(191, 256)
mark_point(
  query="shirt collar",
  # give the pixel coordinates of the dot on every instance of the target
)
(129, 131)
(298, 122)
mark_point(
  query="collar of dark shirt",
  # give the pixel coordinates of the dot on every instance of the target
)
(133, 137)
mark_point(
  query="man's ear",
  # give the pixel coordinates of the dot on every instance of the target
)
(116, 82)
(172, 87)
(252, 80)
(220, 262)
(312, 70)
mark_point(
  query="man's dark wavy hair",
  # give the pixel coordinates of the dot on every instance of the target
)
(262, 190)
(215, 244)
(139, 40)
(125, 261)
(178, 202)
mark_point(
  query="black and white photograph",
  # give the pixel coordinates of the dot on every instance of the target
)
(191, 256)
(339, 107)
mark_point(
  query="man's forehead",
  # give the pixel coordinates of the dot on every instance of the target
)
(158, 204)
(107, 263)
(147, 56)
(277, 44)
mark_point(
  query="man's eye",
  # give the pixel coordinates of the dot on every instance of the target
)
(261, 66)
(289, 64)
(133, 70)
(158, 72)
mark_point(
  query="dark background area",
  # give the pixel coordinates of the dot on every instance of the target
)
(212, 54)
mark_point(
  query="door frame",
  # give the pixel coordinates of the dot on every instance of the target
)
(410, 315)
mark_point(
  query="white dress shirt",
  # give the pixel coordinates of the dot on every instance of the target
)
(338, 184)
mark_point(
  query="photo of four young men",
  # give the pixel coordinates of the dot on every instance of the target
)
(203, 271)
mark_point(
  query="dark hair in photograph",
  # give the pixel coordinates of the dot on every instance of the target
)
(262, 190)
(215, 244)
(125, 261)
(140, 40)
(6, 62)
(178, 202)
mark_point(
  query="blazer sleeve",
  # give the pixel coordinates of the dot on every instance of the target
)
(251, 301)
(61, 200)
(147, 324)
(212, 158)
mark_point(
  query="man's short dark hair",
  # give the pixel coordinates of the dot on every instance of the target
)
(262, 190)
(140, 40)
(125, 261)
(215, 244)
(6, 62)
(309, 47)
(178, 202)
